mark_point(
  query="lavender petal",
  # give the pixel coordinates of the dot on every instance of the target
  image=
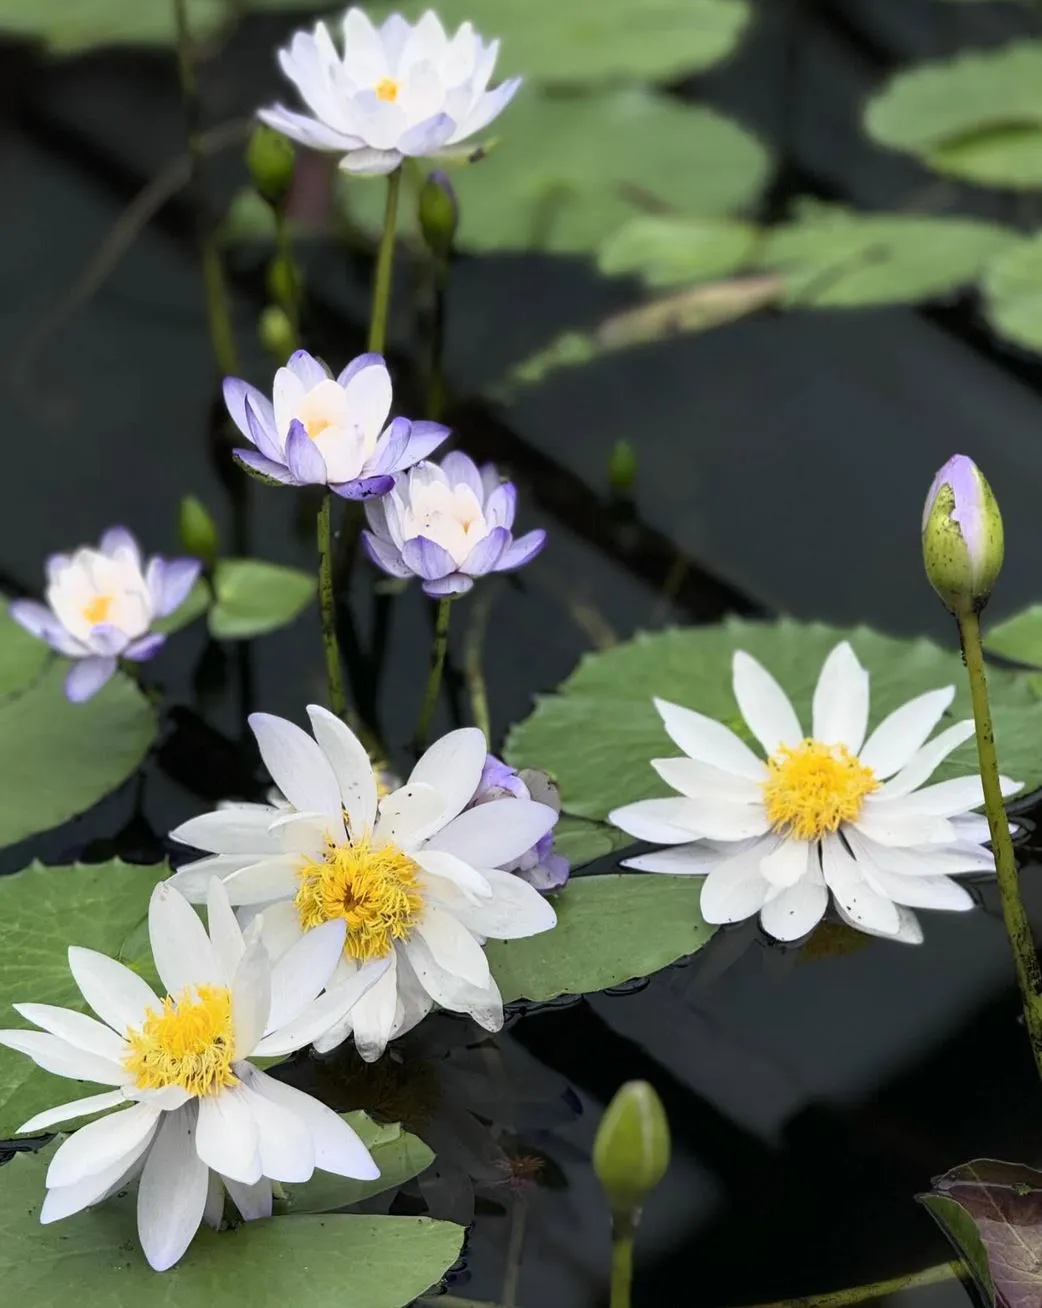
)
(427, 559)
(385, 556)
(486, 553)
(307, 369)
(119, 539)
(429, 135)
(424, 439)
(169, 581)
(460, 470)
(457, 584)
(38, 620)
(87, 677)
(363, 488)
(140, 650)
(236, 393)
(356, 365)
(303, 457)
(390, 446)
(523, 550)
(106, 640)
(501, 505)
(258, 466)
(263, 434)
(550, 874)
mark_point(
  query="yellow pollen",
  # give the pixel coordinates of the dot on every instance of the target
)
(316, 426)
(97, 610)
(812, 789)
(387, 89)
(375, 889)
(188, 1042)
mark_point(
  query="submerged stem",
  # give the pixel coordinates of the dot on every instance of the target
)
(1018, 928)
(328, 609)
(430, 695)
(952, 1271)
(384, 267)
(512, 1275)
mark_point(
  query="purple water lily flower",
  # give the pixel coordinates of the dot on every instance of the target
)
(448, 525)
(101, 604)
(540, 866)
(318, 430)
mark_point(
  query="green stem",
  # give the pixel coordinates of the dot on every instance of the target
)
(328, 610)
(473, 661)
(1018, 928)
(222, 335)
(384, 267)
(953, 1271)
(290, 299)
(436, 390)
(621, 1263)
(430, 695)
(512, 1275)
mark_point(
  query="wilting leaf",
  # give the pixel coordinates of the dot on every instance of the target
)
(254, 597)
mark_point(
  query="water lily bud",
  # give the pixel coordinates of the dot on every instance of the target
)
(269, 157)
(962, 536)
(439, 213)
(622, 468)
(197, 531)
(631, 1150)
(276, 332)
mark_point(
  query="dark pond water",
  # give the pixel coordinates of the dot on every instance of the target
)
(786, 457)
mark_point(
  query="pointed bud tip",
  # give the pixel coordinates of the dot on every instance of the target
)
(197, 530)
(963, 543)
(631, 1150)
(270, 158)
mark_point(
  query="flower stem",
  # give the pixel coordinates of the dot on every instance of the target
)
(430, 695)
(622, 1262)
(436, 379)
(473, 660)
(518, 1217)
(290, 291)
(384, 266)
(953, 1271)
(1018, 928)
(328, 610)
(222, 335)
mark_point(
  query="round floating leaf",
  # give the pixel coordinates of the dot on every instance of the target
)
(572, 169)
(674, 251)
(609, 929)
(254, 597)
(573, 41)
(1013, 293)
(978, 116)
(70, 26)
(22, 657)
(582, 842)
(194, 605)
(57, 758)
(399, 1156)
(43, 910)
(329, 1261)
(1018, 638)
(597, 735)
(834, 259)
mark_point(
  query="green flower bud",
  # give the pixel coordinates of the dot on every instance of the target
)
(622, 468)
(283, 278)
(276, 332)
(962, 536)
(269, 157)
(631, 1150)
(439, 214)
(197, 531)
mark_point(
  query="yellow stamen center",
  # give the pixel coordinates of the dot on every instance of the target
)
(375, 889)
(316, 426)
(813, 788)
(188, 1042)
(387, 89)
(98, 609)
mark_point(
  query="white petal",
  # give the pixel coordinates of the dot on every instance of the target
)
(788, 862)
(100, 1144)
(63, 1059)
(681, 860)
(919, 892)
(251, 998)
(408, 815)
(296, 765)
(241, 829)
(77, 1029)
(261, 883)
(925, 761)
(452, 946)
(279, 927)
(840, 707)
(900, 734)
(735, 889)
(495, 833)
(709, 741)
(766, 708)
(891, 825)
(795, 911)
(223, 929)
(453, 766)
(933, 860)
(172, 1192)
(716, 820)
(65, 1200)
(471, 885)
(337, 1148)
(351, 766)
(953, 798)
(303, 970)
(213, 1210)
(193, 879)
(325, 1011)
(286, 1151)
(862, 906)
(372, 1016)
(701, 780)
(118, 995)
(252, 1201)
(308, 833)
(661, 821)
(226, 1138)
(445, 987)
(181, 949)
(76, 1108)
(515, 910)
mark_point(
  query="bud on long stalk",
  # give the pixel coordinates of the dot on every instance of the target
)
(962, 536)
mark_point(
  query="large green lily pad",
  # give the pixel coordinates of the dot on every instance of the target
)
(598, 734)
(1012, 288)
(253, 597)
(331, 1261)
(679, 251)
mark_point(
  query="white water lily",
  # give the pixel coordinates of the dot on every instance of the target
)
(415, 878)
(397, 91)
(196, 1117)
(827, 812)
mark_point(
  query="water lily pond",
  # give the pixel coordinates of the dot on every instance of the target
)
(506, 795)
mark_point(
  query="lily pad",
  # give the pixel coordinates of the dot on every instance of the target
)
(597, 735)
(587, 951)
(836, 259)
(254, 597)
(70, 26)
(43, 910)
(582, 842)
(22, 657)
(399, 1156)
(57, 759)
(93, 1258)
(977, 116)
(676, 251)
(1012, 288)
(1018, 638)
(572, 169)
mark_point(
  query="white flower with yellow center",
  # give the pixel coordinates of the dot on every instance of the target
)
(196, 1117)
(413, 876)
(827, 812)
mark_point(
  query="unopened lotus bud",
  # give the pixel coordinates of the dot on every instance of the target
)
(962, 536)
(439, 214)
(631, 1149)
(622, 468)
(197, 531)
(269, 157)
(276, 332)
